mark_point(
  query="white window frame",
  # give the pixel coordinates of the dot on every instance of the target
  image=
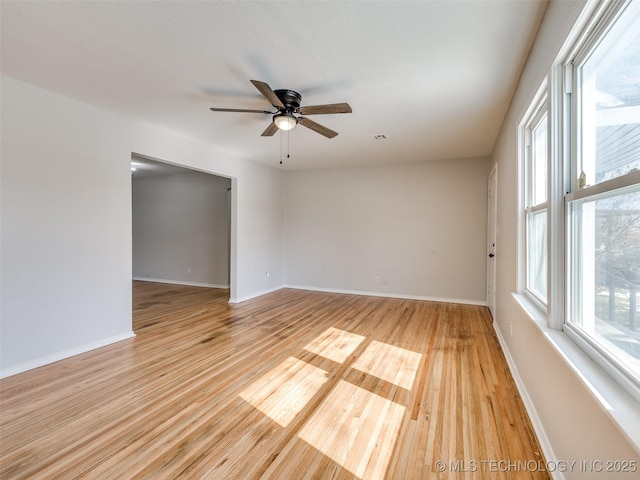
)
(537, 110)
(569, 107)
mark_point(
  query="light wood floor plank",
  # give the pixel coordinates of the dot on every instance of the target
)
(291, 385)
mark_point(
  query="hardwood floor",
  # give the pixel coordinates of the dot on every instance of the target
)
(292, 385)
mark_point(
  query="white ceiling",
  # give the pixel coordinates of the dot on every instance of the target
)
(435, 76)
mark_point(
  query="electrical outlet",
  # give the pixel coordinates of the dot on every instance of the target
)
(511, 329)
(376, 279)
(188, 269)
(267, 274)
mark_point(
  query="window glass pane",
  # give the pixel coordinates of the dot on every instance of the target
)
(539, 162)
(610, 102)
(537, 254)
(605, 273)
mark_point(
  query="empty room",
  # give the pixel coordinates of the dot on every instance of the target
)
(320, 240)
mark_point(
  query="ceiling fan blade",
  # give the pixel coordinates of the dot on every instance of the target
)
(316, 127)
(324, 109)
(268, 93)
(270, 130)
(241, 110)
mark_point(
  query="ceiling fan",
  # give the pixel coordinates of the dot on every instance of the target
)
(287, 103)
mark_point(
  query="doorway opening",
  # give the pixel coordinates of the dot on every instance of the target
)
(181, 225)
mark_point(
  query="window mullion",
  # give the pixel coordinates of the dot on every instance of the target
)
(558, 98)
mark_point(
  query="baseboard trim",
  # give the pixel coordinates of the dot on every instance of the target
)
(254, 295)
(389, 295)
(180, 282)
(545, 444)
(362, 293)
(39, 362)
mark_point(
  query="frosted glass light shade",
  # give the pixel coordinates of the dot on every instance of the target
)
(285, 121)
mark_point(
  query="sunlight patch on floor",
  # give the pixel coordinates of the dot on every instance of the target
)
(357, 423)
(335, 344)
(356, 429)
(392, 364)
(285, 390)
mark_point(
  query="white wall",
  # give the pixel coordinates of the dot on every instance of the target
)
(573, 423)
(420, 227)
(66, 222)
(65, 227)
(181, 228)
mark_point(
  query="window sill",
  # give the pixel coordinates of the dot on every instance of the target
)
(617, 403)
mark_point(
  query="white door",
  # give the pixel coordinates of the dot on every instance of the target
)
(491, 239)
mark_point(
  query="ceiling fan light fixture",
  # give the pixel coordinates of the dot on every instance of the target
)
(285, 121)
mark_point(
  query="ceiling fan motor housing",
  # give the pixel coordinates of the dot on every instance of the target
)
(290, 99)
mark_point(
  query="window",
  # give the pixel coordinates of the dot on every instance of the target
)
(580, 188)
(603, 206)
(535, 193)
(608, 101)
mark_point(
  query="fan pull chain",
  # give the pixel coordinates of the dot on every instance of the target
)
(288, 132)
(281, 142)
